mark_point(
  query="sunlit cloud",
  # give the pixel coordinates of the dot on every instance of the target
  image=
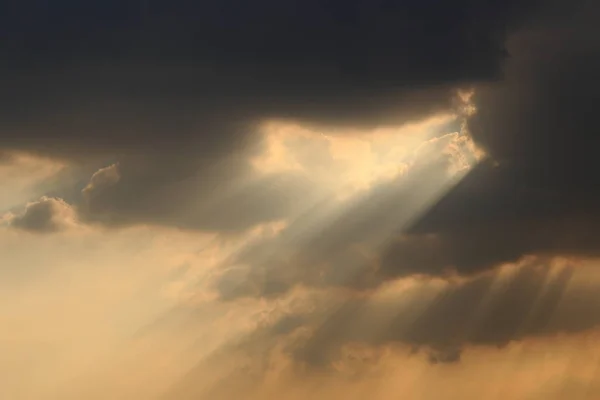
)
(345, 161)
(371, 183)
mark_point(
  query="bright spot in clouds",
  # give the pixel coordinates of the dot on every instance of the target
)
(94, 312)
(346, 161)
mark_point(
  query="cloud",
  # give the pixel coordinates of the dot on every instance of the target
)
(101, 179)
(181, 114)
(223, 199)
(338, 243)
(295, 168)
(345, 247)
(479, 247)
(539, 298)
(442, 316)
(513, 321)
(347, 53)
(47, 215)
(538, 127)
(179, 105)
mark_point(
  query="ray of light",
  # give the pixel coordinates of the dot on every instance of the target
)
(291, 148)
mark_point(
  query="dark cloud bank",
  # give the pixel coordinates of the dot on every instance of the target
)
(537, 194)
(171, 93)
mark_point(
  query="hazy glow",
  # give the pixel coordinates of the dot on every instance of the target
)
(95, 313)
(342, 166)
(74, 303)
(348, 161)
(22, 176)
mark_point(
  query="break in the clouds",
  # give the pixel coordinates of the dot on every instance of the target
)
(338, 242)
(338, 189)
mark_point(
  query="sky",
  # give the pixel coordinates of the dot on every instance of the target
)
(289, 199)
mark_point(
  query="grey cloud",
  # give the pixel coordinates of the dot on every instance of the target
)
(446, 356)
(101, 179)
(535, 301)
(433, 319)
(315, 59)
(475, 248)
(539, 125)
(174, 94)
(46, 215)
(224, 198)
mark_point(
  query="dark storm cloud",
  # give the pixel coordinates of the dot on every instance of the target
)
(540, 125)
(169, 90)
(107, 76)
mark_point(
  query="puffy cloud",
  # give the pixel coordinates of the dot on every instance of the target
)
(46, 215)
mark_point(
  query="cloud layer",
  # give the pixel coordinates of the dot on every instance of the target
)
(176, 93)
(300, 199)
